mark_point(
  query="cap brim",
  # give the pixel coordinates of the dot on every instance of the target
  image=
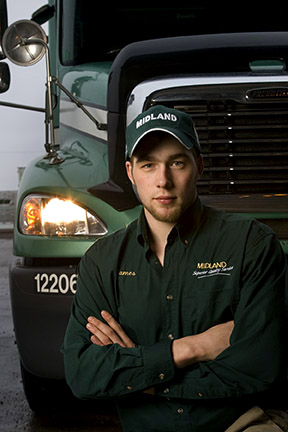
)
(181, 137)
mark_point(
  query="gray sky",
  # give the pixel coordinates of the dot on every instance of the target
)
(22, 132)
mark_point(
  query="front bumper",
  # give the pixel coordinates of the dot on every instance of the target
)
(41, 300)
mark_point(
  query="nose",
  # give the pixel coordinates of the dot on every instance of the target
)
(164, 179)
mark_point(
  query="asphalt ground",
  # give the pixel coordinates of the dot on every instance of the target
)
(15, 413)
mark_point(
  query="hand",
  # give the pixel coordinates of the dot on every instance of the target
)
(110, 333)
(202, 347)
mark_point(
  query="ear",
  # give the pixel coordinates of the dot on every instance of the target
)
(129, 171)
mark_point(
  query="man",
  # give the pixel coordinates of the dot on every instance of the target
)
(180, 315)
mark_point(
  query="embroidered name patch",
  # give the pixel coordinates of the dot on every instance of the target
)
(126, 273)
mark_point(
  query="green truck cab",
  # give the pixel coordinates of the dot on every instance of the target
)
(105, 65)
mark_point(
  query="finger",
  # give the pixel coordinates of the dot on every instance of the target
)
(99, 338)
(103, 332)
(96, 341)
(127, 342)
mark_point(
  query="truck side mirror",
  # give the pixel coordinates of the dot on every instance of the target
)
(4, 77)
(3, 24)
(24, 42)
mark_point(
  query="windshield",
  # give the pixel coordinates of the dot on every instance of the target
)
(92, 32)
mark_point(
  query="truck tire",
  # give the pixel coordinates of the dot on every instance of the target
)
(45, 395)
(50, 396)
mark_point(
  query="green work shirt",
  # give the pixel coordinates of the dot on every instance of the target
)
(218, 267)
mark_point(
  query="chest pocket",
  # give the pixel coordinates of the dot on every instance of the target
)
(210, 300)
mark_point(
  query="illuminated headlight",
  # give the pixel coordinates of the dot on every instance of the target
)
(50, 216)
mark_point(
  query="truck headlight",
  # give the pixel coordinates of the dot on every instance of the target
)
(50, 216)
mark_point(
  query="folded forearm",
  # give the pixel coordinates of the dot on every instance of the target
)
(202, 347)
(110, 371)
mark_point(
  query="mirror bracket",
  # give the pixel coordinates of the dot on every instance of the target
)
(24, 44)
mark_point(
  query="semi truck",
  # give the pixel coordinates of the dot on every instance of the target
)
(105, 64)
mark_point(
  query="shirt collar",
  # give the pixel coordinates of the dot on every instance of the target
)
(188, 223)
(142, 230)
(185, 228)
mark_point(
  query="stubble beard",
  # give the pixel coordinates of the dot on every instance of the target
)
(171, 216)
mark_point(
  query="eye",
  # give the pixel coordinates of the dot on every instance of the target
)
(177, 164)
(147, 165)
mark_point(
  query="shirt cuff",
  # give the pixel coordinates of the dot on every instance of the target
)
(158, 363)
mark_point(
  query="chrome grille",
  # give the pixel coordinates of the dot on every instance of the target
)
(244, 145)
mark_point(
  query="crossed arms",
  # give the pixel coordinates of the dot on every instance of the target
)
(185, 351)
(237, 358)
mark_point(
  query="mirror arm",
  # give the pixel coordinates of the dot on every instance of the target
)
(100, 126)
(26, 107)
(15, 47)
(50, 147)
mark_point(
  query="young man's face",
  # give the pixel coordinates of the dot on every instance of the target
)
(165, 174)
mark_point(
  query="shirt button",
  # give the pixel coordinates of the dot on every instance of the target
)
(186, 242)
(169, 297)
(170, 336)
(166, 391)
(180, 410)
(162, 376)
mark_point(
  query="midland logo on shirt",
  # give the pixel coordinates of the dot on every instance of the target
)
(210, 269)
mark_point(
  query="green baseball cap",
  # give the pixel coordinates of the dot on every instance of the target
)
(160, 118)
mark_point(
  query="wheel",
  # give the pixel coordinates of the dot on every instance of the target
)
(45, 395)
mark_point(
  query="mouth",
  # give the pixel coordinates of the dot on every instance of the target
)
(165, 200)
